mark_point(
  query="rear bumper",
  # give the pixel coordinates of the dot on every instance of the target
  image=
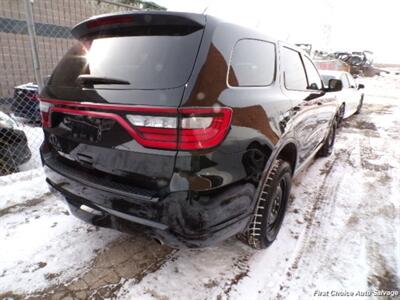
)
(179, 219)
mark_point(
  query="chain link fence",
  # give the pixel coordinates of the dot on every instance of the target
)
(34, 35)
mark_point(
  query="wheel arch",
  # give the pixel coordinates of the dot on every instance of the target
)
(289, 153)
(287, 150)
(255, 169)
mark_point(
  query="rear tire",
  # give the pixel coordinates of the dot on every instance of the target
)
(329, 142)
(271, 206)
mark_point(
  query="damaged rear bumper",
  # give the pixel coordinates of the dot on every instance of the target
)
(179, 219)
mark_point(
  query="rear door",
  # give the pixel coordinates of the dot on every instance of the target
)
(117, 66)
(325, 102)
(310, 113)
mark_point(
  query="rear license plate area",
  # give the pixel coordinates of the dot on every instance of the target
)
(86, 128)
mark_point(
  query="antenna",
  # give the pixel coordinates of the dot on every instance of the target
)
(205, 10)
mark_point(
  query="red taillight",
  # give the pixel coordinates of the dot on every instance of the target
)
(155, 127)
(209, 137)
(194, 128)
(159, 138)
(109, 21)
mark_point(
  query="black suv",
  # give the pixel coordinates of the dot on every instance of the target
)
(183, 126)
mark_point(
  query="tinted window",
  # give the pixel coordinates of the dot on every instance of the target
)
(252, 64)
(314, 80)
(295, 77)
(145, 61)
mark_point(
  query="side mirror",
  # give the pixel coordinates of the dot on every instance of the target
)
(361, 86)
(334, 85)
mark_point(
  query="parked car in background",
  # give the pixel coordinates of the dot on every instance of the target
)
(14, 149)
(350, 98)
(25, 104)
(190, 128)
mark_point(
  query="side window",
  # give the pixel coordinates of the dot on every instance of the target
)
(252, 64)
(295, 77)
(314, 80)
(351, 81)
(345, 81)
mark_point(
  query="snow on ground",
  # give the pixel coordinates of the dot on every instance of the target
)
(382, 89)
(341, 232)
(14, 187)
(39, 239)
(35, 139)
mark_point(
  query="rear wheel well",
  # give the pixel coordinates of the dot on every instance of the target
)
(289, 154)
(255, 159)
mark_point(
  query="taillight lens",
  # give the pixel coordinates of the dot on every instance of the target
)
(191, 129)
(45, 113)
(203, 128)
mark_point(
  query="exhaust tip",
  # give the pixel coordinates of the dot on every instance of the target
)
(90, 210)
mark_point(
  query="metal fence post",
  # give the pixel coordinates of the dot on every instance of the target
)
(32, 37)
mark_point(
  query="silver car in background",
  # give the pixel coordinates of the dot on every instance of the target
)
(350, 97)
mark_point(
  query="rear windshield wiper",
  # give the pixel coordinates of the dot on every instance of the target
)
(91, 80)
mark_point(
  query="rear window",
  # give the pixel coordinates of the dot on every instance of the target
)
(145, 61)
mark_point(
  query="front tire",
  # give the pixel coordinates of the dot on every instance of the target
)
(271, 206)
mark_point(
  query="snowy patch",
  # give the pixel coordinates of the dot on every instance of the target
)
(41, 244)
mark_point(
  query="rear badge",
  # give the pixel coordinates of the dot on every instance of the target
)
(53, 140)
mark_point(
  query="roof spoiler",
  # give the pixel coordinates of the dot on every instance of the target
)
(119, 22)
